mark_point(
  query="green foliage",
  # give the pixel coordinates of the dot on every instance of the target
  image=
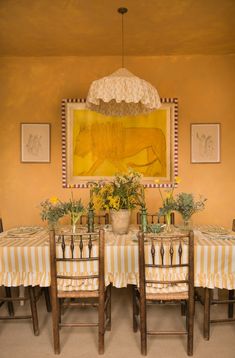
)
(169, 205)
(53, 209)
(186, 205)
(74, 208)
(168, 202)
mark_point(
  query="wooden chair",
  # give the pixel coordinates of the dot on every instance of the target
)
(158, 255)
(10, 305)
(98, 219)
(209, 300)
(9, 299)
(233, 225)
(155, 219)
(7, 289)
(34, 316)
(86, 249)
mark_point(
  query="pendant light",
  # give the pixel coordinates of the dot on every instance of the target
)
(122, 93)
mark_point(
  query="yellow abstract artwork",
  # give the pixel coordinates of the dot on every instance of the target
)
(101, 146)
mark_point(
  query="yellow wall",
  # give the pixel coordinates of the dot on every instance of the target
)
(31, 90)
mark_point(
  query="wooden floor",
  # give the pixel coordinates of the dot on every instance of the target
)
(17, 339)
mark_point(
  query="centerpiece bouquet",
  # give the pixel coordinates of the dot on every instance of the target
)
(123, 192)
(119, 196)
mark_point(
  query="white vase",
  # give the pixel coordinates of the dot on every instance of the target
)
(120, 221)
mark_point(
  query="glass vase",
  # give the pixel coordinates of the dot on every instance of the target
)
(169, 227)
(187, 224)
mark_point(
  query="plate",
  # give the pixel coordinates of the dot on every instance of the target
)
(23, 231)
(215, 230)
(214, 233)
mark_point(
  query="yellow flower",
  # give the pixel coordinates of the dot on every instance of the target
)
(177, 180)
(168, 195)
(54, 200)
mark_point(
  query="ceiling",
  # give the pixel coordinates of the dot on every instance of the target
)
(93, 27)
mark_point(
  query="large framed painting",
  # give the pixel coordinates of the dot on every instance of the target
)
(95, 146)
(205, 143)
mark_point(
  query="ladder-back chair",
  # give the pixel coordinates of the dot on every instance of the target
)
(9, 300)
(159, 256)
(86, 286)
(155, 219)
(210, 300)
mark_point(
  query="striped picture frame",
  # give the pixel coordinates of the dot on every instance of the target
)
(69, 180)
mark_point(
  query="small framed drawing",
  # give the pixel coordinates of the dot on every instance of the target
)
(205, 143)
(35, 142)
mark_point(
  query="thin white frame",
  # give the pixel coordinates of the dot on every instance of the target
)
(35, 142)
(205, 143)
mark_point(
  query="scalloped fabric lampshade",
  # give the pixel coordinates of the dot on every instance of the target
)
(121, 94)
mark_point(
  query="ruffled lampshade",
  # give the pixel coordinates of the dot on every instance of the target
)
(121, 94)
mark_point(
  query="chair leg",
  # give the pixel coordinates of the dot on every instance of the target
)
(186, 314)
(108, 327)
(135, 309)
(190, 324)
(101, 316)
(143, 328)
(207, 301)
(33, 306)
(47, 298)
(55, 305)
(230, 305)
(183, 308)
(9, 304)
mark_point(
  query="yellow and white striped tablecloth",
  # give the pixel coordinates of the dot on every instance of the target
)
(26, 260)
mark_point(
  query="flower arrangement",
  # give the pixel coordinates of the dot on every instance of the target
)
(186, 205)
(168, 201)
(53, 209)
(124, 192)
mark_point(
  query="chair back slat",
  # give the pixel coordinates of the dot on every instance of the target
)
(98, 219)
(180, 251)
(1, 225)
(81, 246)
(155, 219)
(153, 253)
(72, 247)
(171, 252)
(162, 252)
(63, 246)
(90, 246)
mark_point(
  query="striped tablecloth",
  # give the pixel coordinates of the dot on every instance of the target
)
(25, 260)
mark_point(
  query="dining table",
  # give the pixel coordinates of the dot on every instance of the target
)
(25, 258)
